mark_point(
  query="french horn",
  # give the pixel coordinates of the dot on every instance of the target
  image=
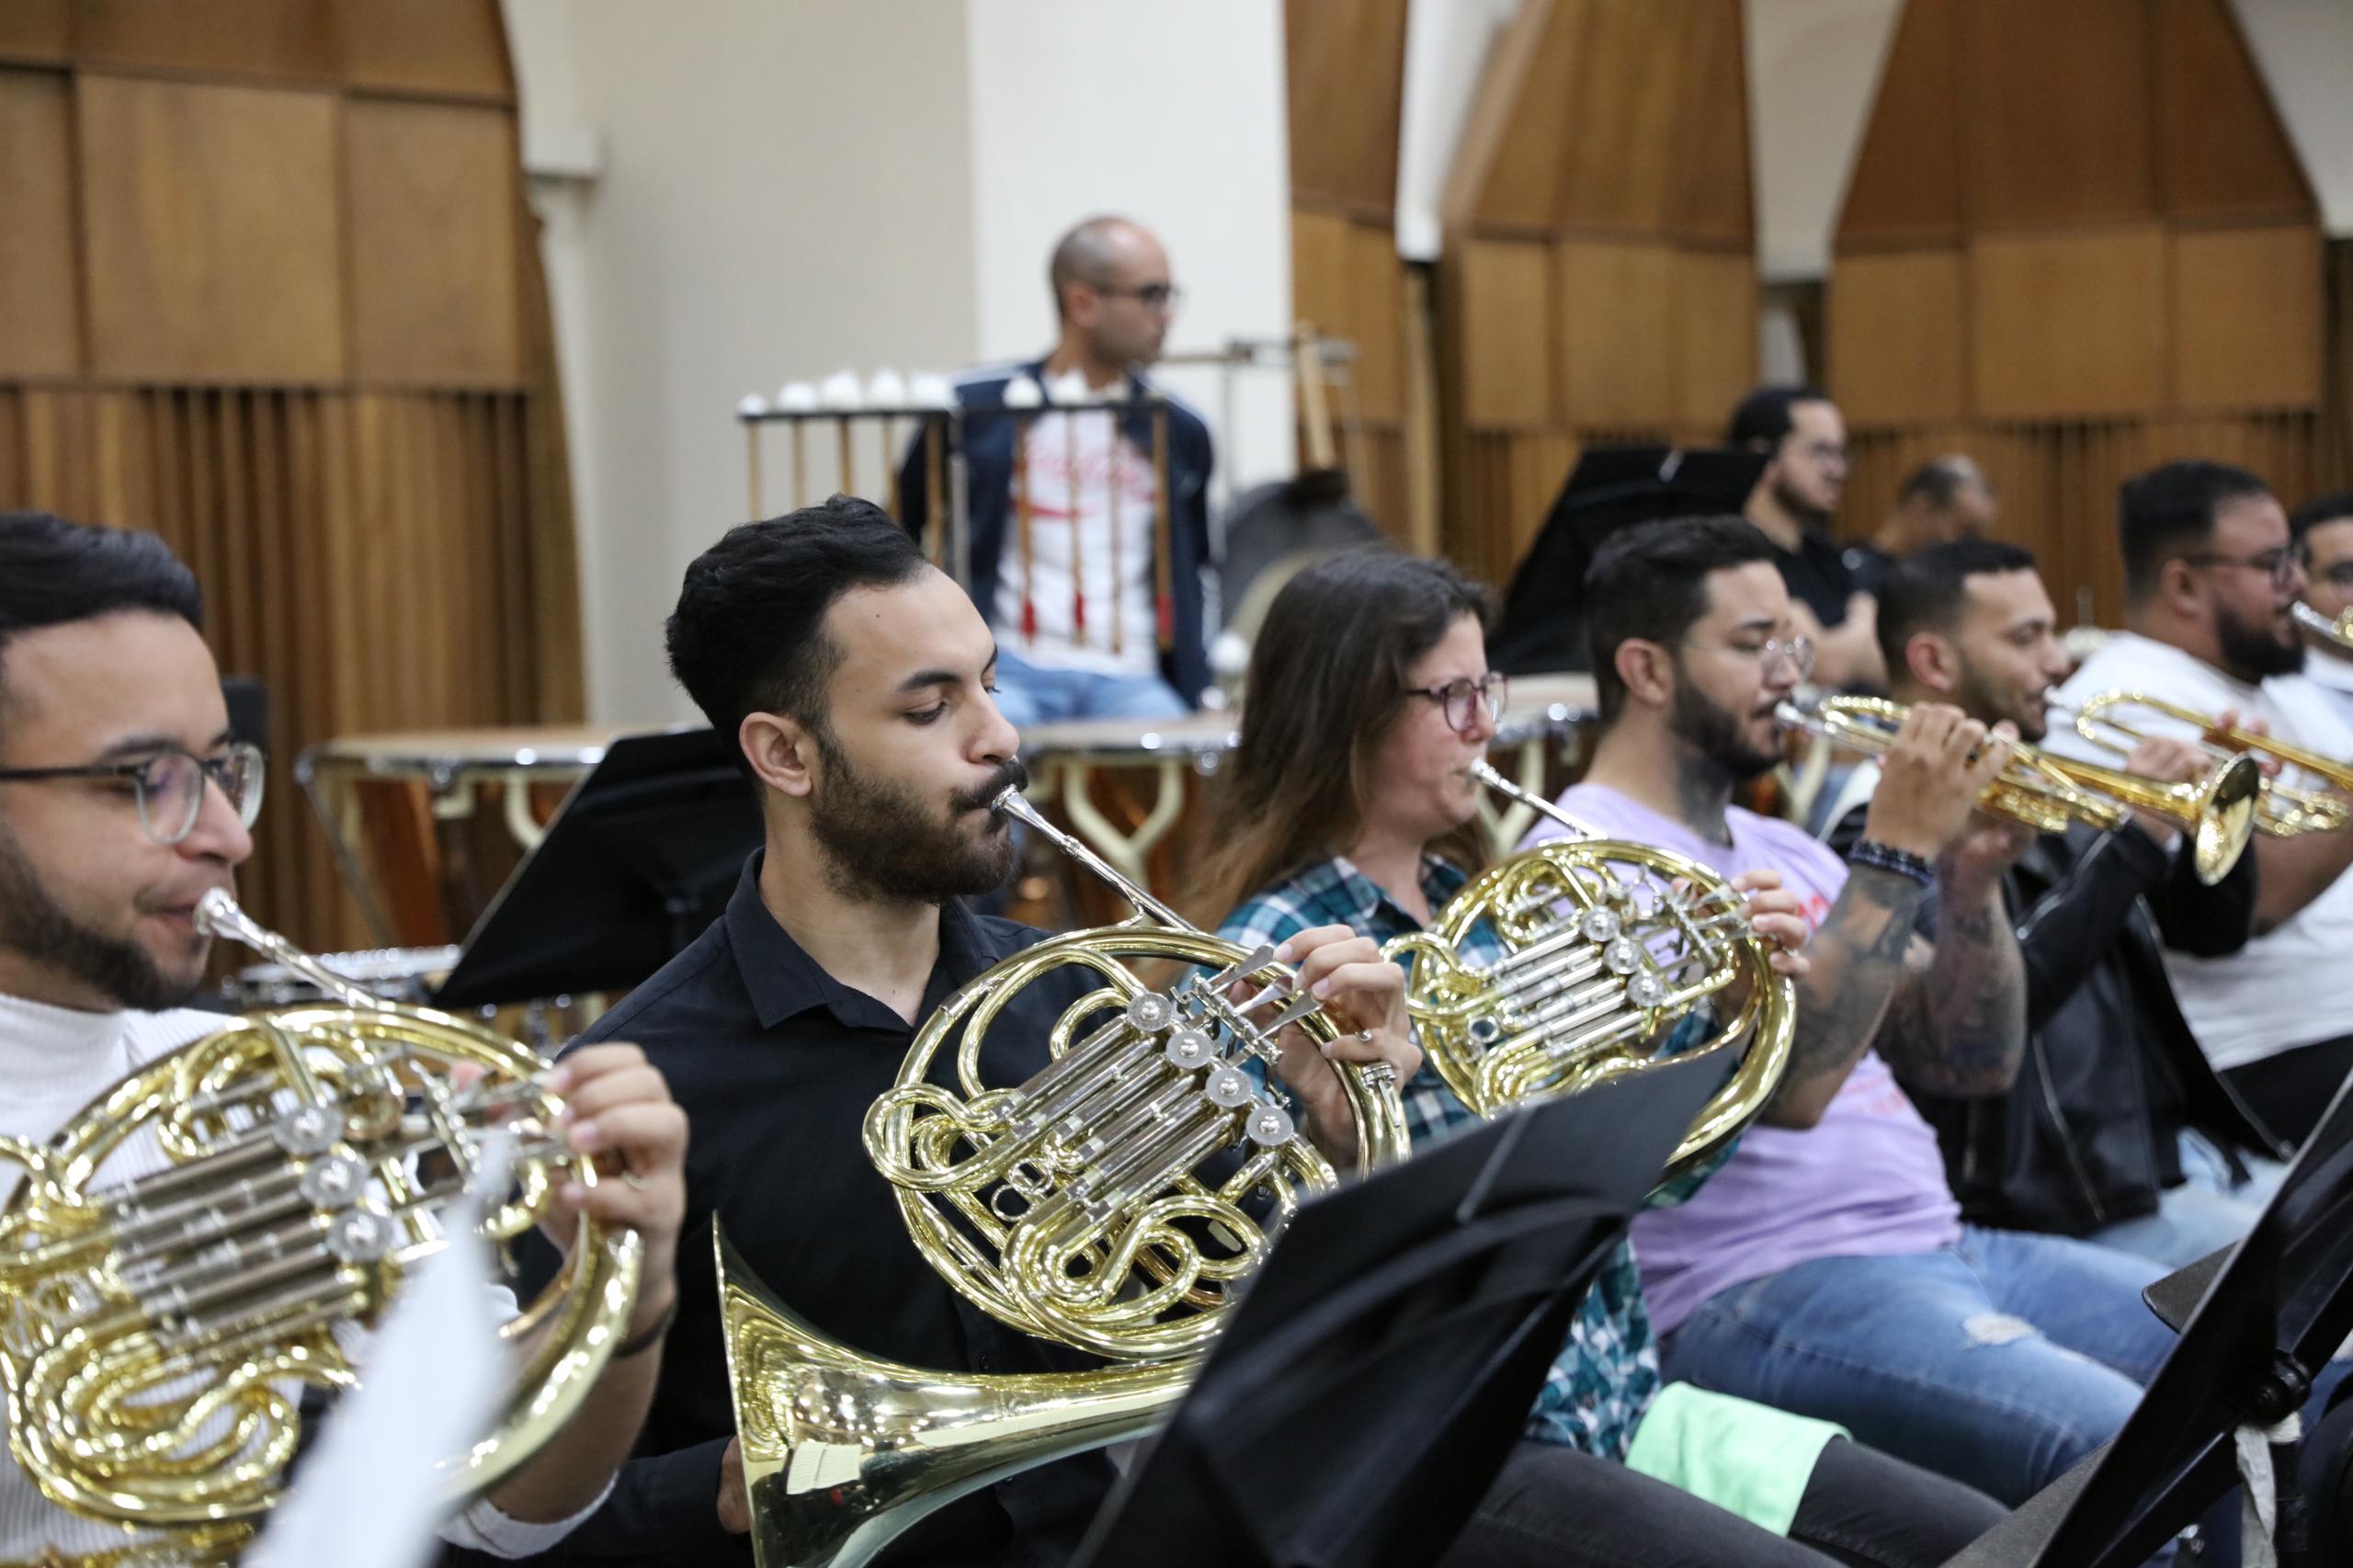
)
(1114, 1201)
(1605, 946)
(156, 1333)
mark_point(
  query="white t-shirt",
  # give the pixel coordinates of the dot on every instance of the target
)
(2273, 994)
(1093, 497)
(2331, 676)
(54, 1062)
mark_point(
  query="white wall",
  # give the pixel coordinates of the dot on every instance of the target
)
(2304, 49)
(1814, 69)
(785, 188)
(782, 191)
(1172, 115)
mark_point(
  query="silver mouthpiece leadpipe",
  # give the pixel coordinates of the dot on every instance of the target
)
(217, 915)
(1486, 773)
(1011, 804)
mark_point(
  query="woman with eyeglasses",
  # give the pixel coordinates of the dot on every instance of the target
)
(1349, 800)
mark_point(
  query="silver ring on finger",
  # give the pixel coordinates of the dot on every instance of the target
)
(635, 1181)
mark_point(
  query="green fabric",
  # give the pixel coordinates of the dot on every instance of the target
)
(1749, 1459)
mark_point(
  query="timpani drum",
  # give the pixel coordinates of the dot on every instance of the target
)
(427, 825)
(1128, 786)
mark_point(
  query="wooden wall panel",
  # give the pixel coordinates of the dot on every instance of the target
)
(1615, 171)
(444, 48)
(289, 39)
(1713, 346)
(1905, 188)
(434, 195)
(1346, 61)
(211, 248)
(1505, 332)
(2222, 153)
(1712, 200)
(2247, 319)
(2059, 112)
(40, 308)
(39, 31)
(2069, 323)
(1374, 285)
(1897, 326)
(1617, 309)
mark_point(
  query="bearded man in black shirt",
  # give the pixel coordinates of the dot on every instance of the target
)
(858, 681)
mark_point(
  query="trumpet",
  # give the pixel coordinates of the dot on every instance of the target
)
(1606, 944)
(2048, 792)
(2282, 810)
(1114, 1201)
(2339, 631)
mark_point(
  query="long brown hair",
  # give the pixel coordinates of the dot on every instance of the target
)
(1327, 680)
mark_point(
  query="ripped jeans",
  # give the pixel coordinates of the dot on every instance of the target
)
(2000, 1361)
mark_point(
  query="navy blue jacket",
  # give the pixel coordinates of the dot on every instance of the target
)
(988, 452)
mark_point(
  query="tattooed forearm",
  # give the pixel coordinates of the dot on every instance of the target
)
(1857, 960)
(1958, 1027)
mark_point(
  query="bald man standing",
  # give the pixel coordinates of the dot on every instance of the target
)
(1089, 622)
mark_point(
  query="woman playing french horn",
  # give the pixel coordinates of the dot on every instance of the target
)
(1351, 797)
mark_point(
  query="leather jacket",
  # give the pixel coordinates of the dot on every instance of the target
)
(2087, 1135)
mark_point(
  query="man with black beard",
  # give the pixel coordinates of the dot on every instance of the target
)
(1825, 1268)
(2210, 577)
(123, 802)
(857, 682)
(1804, 439)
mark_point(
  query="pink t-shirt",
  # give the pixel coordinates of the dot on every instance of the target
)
(1867, 1181)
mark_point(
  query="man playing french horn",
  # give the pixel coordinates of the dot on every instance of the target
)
(123, 802)
(856, 680)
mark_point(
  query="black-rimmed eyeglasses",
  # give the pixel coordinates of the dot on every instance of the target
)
(1459, 699)
(169, 786)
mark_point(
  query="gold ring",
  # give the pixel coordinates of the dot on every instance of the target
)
(636, 1182)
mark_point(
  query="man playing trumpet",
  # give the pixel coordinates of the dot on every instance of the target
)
(2116, 1109)
(2211, 578)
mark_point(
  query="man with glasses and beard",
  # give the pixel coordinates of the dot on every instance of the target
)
(2210, 576)
(123, 802)
(2118, 1131)
(857, 683)
(2324, 530)
(1824, 1269)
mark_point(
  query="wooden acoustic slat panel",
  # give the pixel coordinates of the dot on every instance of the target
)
(2247, 319)
(36, 31)
(1505, 332)
(290, 38)
(39, 309)
(1374, 316)
(211, 244)
(1616, 166)
(1520, 186)
(433, 196)
(2222, 151)
(1319, 267)
(1616, 301)
(1897, 323)
(2059, 112)
(447, 48)
(1905, 188)
(1345, 61)
(1712, 198)
(2068, 325)
(1713, 346)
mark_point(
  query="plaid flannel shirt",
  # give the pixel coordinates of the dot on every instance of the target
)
(1607, 1373)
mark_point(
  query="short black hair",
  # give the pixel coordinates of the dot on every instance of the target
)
(1925, 591)
(54, 573)
(2168, 513)
(748, 633)
(2333, 507)
(1763, 418)
(1650, 581)
(1940, 480)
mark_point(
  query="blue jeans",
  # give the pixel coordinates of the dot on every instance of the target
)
(2207, 1212)
(2000, 1361)
(1030, 694)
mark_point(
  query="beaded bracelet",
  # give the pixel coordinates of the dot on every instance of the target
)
(1903, 862)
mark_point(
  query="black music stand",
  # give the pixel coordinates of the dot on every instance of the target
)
(2255, 1321)
(1543, 624)
(1373, 1380)
(641, 856)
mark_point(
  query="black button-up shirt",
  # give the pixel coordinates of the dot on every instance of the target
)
(776, 1063)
